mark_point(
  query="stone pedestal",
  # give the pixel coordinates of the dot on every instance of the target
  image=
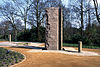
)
(80, 46)
(54, 28)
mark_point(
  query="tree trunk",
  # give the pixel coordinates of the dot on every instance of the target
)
(82, 18)
(25, 23)
(96, 10)
(89, 22)
(15, 35)
(38, 24)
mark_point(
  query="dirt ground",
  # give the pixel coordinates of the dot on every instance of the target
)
(3, 41)
(56, 59)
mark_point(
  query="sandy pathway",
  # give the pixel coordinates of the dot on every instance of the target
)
(56, 59)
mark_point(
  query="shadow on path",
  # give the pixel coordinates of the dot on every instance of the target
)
(29, 47)
(73, 51)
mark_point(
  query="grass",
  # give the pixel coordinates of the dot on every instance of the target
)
(84, 46)
(22, 43)
(3, 40)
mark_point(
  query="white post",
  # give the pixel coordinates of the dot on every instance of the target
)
(80, 46)
(10, 38)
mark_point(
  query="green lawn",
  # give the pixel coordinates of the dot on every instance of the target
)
(84, 46)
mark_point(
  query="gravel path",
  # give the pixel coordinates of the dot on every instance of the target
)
(45, 59)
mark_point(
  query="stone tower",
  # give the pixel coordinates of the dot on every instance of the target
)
(54, 29)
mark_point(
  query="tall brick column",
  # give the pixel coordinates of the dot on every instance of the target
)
(54, 35)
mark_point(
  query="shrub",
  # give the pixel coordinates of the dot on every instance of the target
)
(9, 57)
(31, 35)
(76, 38)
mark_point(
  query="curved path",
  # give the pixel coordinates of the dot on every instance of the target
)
(40, 59)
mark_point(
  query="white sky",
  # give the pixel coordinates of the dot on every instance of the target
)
(65, 2)
(97, 0)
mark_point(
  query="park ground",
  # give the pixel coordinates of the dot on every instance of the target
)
(41, 59)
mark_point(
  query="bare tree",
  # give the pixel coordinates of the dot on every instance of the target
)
(8, 13)
(23, 8)
(96, 10)
(82, 18)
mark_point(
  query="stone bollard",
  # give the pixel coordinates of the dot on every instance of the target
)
(80, 46)
(10, 38)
